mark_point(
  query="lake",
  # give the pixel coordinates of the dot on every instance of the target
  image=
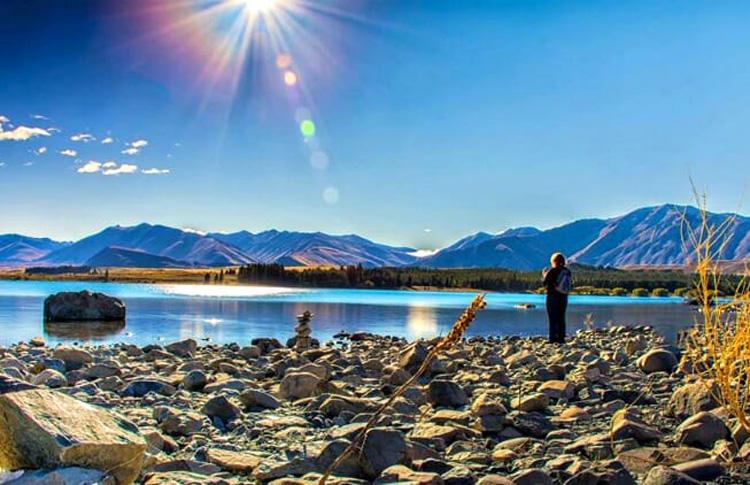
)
(222, 314)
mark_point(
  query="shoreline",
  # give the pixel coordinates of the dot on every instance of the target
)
(490, 410)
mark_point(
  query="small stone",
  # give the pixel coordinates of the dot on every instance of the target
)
(195, 380)
(182, 348)
(531, 402)
(657, 360)
(255, 398)
(222, 408)
(447, 393)
(298, 385)
(233, 461)
(381, 449)
(702, 430)
(662, 475)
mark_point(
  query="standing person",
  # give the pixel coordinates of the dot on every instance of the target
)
(557, 280)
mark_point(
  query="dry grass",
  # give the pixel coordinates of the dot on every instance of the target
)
(451, 339)
(718, 347)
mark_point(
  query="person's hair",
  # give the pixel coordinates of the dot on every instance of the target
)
(557, 260)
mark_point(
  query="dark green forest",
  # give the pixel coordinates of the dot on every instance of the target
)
(587, 280)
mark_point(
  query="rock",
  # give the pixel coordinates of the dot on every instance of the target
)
(702, 430)
(182, 478)
(102, 370)
(627, 423)
(222, 408)
(533, 476)
(447, 393)
(485, 405)
(703, 470)
(381, 449)
(195, 380)
(255, 398)
(557, 389)
(494, 480)
(73, 358)
(250, 352)
(182, 348)
(350, 466)
(83, 306)
(141, 387)
(657, 360)
(50, 378)
(530, 424)
(298, 385)
(233, 461)
(47, 429)
(63, 476)
(692, 398)
(531, 402)
(662, 475)
(412, 356)
(401, 474)
(37, 342)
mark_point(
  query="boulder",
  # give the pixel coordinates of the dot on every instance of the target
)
(182, 348)
(702, 430)
(83, 306)
(74, 358)
(381, 449)
(298, 385)
(663, 475)
(627, 423)
(704, 470)
(47, 429)
(443, 392)
(141, 387)
(50, 378)
(657, 360)
(233, 461)
(255, 398)
(222, 408)
(692, 398)
(195, 380)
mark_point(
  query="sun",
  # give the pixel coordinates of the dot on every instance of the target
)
(258, 6)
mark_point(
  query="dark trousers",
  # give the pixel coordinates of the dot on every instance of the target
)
(556, 306)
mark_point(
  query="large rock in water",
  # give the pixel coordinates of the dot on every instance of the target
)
(47, 429)
(82, 306)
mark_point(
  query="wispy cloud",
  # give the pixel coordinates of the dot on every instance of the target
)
(40, 150)
(68, 152)
(28, 164)
(39, 117)
(134, 147)
(3, 119)
(90, 167)
(122, 169)
(2, 164)
(22, 133)
(84, 137)
(155, 171)
(108, 140)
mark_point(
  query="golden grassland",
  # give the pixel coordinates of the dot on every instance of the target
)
(128, 275)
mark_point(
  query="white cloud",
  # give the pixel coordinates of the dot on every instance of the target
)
(134, 147)
(40, 150)
(23, 133)
(108, 140)
(130, 151)
(69, 152)
(39, 117)
(139, 143)
(109, 164)
(28, 164)
(90, 167)
(155, 171)
(124, 168)
(2, 164)
(3, 119)
(84, 137)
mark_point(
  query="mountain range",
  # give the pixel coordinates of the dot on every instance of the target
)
(650, 236)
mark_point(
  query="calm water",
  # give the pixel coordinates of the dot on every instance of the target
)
(238, 313)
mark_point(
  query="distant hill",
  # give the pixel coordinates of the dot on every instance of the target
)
(192, 248)
(647, 237)
(316, 248)
(16, 249)
(114, 257)
(650, 236)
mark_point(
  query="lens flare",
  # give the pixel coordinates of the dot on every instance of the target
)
(290, 78)
(307, 127)
(254, 7)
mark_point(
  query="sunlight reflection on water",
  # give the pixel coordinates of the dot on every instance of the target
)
(222, 291)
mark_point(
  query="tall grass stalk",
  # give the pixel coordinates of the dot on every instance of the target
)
(447, 342)
(718, 347)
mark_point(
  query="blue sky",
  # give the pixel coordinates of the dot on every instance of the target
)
(432, 119)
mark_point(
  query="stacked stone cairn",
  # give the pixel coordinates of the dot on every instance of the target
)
(302, 330)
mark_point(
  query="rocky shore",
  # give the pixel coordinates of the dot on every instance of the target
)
(611, 406)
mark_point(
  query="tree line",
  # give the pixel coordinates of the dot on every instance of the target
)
(587, 279)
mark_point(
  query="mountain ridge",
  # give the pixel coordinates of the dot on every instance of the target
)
(648, 236)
